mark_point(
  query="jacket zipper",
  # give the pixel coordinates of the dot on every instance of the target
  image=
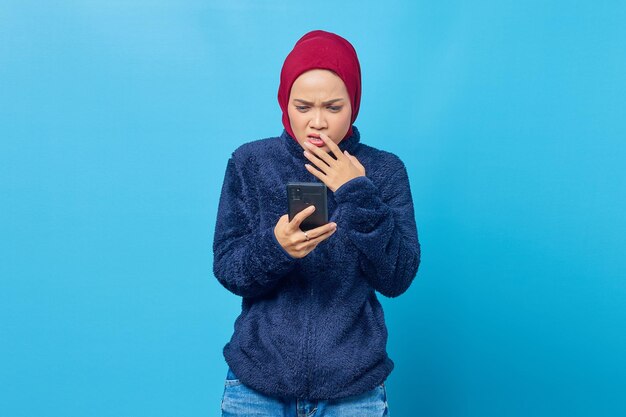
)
(308, 348)
(309, 325)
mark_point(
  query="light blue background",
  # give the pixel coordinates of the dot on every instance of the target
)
(116, 122)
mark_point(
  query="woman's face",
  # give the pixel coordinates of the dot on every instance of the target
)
(319, 103)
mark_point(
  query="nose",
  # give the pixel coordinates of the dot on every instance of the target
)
(317, 119)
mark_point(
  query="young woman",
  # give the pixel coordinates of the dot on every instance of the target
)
(311, 337)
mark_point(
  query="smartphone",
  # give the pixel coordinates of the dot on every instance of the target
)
(304, 194)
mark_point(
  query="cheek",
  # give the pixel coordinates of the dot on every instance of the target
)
(342, 126)
(343, 122)
(345, 116)
(295, 118)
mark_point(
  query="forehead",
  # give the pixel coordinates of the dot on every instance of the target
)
(319, 81)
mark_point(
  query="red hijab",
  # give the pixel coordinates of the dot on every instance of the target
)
(323, 50)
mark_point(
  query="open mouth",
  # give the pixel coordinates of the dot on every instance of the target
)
(316, 140)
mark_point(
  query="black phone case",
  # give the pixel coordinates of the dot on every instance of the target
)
(303, 194)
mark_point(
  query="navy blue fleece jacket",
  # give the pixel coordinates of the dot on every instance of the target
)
(313, 328)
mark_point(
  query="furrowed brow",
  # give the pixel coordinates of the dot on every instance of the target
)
(324, 103)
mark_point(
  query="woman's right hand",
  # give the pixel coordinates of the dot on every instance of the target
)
(294, 240)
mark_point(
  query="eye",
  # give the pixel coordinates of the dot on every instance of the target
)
(302, 108)
(334, 108)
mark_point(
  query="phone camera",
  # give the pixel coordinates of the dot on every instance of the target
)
(296, 194)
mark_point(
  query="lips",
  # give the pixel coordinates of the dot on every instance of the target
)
(315, 139)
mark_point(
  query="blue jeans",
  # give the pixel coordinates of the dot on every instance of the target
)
(240, 400)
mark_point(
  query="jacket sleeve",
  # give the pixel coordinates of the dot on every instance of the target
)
(247, 261)
(381, 224)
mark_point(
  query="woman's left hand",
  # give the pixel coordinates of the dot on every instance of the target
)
(332, 172)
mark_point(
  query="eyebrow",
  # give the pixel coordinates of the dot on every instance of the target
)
(310, 104)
